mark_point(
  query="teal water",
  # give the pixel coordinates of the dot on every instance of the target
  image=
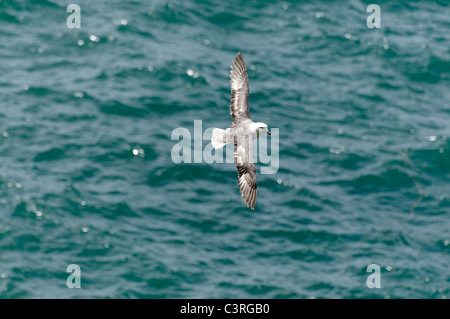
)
(86, 175)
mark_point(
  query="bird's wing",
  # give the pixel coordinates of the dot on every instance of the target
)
(239, 89)
(243, 159)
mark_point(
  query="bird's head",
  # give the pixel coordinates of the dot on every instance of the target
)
(261, 128)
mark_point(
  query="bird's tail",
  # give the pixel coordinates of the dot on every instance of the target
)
(219, 138)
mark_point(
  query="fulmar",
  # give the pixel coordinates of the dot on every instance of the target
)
(241, 132)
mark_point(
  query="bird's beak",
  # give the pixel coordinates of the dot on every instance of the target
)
(268, 132)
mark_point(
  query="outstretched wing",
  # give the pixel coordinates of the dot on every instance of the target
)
(239, 89)
(243, 159)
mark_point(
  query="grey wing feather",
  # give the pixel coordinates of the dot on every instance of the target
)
(239, 89)
(246, 170)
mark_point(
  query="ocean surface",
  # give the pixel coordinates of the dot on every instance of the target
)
(86, 175)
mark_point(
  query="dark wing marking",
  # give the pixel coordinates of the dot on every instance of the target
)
(243, 159)
(239, 89)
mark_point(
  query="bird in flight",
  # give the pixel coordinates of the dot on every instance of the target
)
(241, 132)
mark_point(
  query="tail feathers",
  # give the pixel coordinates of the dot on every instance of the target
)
(219, 138)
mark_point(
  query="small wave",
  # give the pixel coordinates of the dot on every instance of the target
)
(50, 155)
(304, 235)
(6, 17)
(187, 172)
(114, 107)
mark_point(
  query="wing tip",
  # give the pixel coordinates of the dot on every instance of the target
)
(238, 62)
(248, 195)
